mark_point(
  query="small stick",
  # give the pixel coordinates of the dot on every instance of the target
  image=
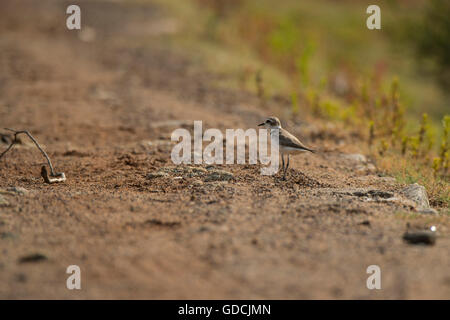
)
(60, 177)
(53, 173)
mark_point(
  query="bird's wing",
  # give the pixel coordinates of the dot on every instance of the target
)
(288, 140)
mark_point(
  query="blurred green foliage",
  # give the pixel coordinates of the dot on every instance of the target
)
(432, 38)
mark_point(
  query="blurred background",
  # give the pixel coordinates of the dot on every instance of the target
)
(104, 100)
(314, 61)
(325, 45)
(318, 59)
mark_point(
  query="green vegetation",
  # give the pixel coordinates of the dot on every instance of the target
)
(320, 56)
(431, 36)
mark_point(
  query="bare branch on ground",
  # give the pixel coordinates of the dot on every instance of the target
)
(57, 176)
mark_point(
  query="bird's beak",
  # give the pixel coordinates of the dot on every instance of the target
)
(261, 124)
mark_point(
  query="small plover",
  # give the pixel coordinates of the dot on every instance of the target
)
(288, 143)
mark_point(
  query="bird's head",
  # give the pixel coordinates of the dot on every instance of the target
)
(271, 123)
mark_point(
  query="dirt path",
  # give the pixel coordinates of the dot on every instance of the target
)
(105, 108)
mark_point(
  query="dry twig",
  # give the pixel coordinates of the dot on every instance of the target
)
(57, 176)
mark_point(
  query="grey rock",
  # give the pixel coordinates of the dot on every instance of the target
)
(427, 211)
(184, 171)
(420, 237)
(356, 157)
(207, 175)
(418, 194)
(405, 203)
(215, 184)
(153, 175)
(219, 175)
(197, 169)
(18, 190)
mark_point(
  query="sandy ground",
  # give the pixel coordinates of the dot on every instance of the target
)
(103, 104)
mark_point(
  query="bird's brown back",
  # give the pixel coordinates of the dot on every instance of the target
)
(288, 140)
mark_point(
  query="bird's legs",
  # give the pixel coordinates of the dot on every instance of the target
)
(285, 168)
(282, 165)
